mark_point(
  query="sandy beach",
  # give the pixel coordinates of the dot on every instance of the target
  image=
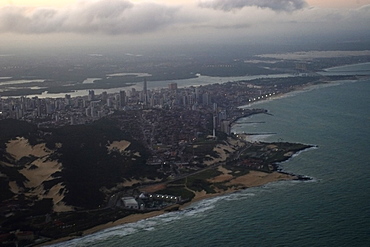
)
(252, 179)
(232, 182)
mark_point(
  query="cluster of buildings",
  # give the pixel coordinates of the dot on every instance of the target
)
(216, 99)
(147, 201)
(165, 120)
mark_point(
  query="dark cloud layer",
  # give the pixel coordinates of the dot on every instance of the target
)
(276, 5)
(116, 17)
(102, 16)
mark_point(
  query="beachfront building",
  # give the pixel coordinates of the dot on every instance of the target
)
(165, 198)
(130, 203)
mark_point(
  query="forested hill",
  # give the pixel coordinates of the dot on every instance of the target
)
(67, 167)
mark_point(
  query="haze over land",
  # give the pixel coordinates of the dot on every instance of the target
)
(68, 42)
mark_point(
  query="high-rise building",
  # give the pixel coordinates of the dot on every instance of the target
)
(91, 95)
(117, 101)
(104, 96)
(214, 126)
(206, 99)
(222, 115)
(122, 98)
(215, 107)
(225, 127)
(152, 101)
(145, 87)
(145, 92)
(49, 108)
(172, 86)
(133, 92)
(68, 99)
(184, 100)
(109, 102)
(198, 94)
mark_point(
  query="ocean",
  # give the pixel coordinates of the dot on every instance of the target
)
(333, 209)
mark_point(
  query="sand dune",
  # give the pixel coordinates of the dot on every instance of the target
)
(20, 148)
(223, 150)
(118, 145)
(37, 172)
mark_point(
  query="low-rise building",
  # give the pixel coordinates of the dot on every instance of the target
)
(130, 203)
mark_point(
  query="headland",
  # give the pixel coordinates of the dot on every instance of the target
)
(125, 158)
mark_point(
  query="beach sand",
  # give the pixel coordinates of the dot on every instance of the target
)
(234, 183)
(252, 179)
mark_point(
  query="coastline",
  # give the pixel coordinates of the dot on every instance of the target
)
(253, 179)
(250, 180)
(192, 81)
(236, 183)
(299, 90)
(300, 226)
(138, 217)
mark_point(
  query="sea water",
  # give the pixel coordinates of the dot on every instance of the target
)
(331, 210)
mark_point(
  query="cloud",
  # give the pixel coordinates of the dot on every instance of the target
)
(363, 12)
(160, 21)
(223, 26)
(99, 16)
(275, 5)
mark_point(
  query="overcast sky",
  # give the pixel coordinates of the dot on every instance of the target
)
(38, 23)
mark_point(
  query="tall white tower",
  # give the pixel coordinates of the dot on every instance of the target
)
(214, 126)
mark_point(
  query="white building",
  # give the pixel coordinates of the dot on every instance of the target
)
(130, 202)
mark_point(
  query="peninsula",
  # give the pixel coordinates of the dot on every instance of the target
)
(92, 162)
(68, 172)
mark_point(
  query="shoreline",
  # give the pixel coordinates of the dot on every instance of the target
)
(299, 90)
(198, 196)
(251, 180)
(158, 84)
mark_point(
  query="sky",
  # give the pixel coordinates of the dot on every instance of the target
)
(29, 24)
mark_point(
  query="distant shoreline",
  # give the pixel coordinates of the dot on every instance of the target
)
(334, 69)
(182, 82)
